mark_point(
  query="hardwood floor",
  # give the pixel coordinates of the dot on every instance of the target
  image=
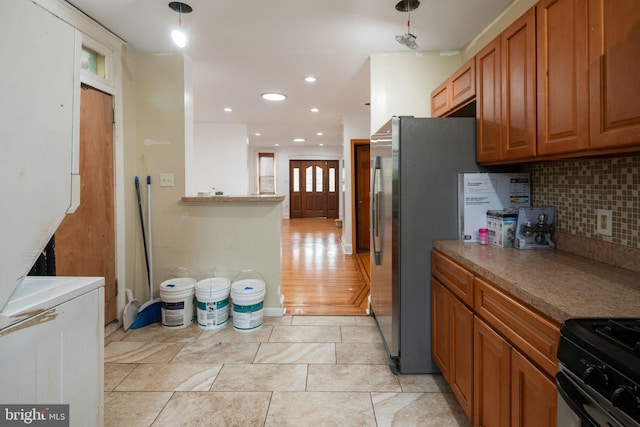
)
(317, 277)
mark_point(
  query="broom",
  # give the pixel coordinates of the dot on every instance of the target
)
(149, 312)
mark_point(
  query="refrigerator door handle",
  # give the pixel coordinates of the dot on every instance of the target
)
(375, 212)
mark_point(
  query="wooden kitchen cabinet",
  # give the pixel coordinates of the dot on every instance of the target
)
(497, 354)
(563, 78)
(533, 394)
(453, 343)
(492, 377)
(455, 92)
(518, 44)
(614, 65)
(506, 94)
(488, 103)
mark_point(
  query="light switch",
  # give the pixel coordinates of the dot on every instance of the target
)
(604, 221)
(166, 180)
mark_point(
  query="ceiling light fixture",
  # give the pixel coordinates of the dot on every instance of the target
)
(314, 110)
(408, 39)
(299, 140)
(319, 133)
(274, 96)
(228, 110)
(178, 35)
(310, 79)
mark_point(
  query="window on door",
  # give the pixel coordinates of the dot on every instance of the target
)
(266, 173)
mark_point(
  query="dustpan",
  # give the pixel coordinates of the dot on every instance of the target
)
(130, 313)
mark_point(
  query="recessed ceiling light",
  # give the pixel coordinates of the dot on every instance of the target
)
(319, 133)
(277, 145)
(314, 110)
(274, 96)
(298, 140)
(227, 109)
(257, 134)
(321, 145)
(310, 79)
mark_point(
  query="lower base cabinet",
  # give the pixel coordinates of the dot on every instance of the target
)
(509, 390)
(533, 395)
(453, 343)
(497, 355)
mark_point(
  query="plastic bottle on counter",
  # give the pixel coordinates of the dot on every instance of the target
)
(483, 236)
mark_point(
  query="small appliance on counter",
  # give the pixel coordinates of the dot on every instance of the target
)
(535, 227)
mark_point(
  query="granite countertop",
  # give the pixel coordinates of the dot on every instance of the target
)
(559, 284)
(248, 198)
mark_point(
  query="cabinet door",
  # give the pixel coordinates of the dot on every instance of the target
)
(563, 89)
(440, 100)
(491, 377)
(518, 50)
(488, 109)
(614, 62)
(462, 85)
(533, 395)
(461, 372)
(440, 324)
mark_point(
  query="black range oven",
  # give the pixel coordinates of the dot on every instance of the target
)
(598, 375)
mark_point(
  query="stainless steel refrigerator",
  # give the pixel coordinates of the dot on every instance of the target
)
(415, 164)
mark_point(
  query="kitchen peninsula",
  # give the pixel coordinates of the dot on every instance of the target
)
(232, 234)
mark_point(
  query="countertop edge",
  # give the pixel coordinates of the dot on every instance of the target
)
(558, 284)
(226, 199)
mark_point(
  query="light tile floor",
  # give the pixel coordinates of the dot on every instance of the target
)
(293, 371)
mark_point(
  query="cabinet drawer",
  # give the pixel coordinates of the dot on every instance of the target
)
(530, 332)
(453, 276)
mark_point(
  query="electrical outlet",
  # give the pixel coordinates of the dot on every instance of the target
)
(604, 222)
(166, 180)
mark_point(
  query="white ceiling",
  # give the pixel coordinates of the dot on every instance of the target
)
(241, 49)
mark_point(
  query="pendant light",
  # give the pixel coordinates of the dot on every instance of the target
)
(408, 39)
(178, 35)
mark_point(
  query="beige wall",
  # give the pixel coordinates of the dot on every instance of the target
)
(401, 83)
(223, 238)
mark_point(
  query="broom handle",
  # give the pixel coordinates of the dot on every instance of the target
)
(144, 240)
(149, 234)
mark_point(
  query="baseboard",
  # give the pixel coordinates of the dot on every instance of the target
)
(273, 311)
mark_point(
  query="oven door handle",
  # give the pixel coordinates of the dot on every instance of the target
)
(571, 395)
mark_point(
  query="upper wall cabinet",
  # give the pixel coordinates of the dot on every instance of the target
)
(506, 87)
(563, 97)
(455, 92)
(614, 68)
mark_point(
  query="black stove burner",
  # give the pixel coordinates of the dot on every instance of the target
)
(625, 332)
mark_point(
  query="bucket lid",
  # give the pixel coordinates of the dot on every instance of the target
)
(213, 284)
(178, 283)
(248, 286)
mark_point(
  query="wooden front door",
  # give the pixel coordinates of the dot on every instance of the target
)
(362, 164)
(85, 241)
(313, 189)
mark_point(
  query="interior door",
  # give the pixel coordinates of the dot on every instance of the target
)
(85, 241)
(363, 178)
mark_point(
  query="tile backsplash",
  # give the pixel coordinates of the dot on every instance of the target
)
(577, 188)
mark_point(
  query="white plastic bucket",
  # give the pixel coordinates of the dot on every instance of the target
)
(247, 296)
(177, 302)
(212, 302)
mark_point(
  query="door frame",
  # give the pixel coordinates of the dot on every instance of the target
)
(354, 212)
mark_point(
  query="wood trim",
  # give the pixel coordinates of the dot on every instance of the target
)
(354, 142)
